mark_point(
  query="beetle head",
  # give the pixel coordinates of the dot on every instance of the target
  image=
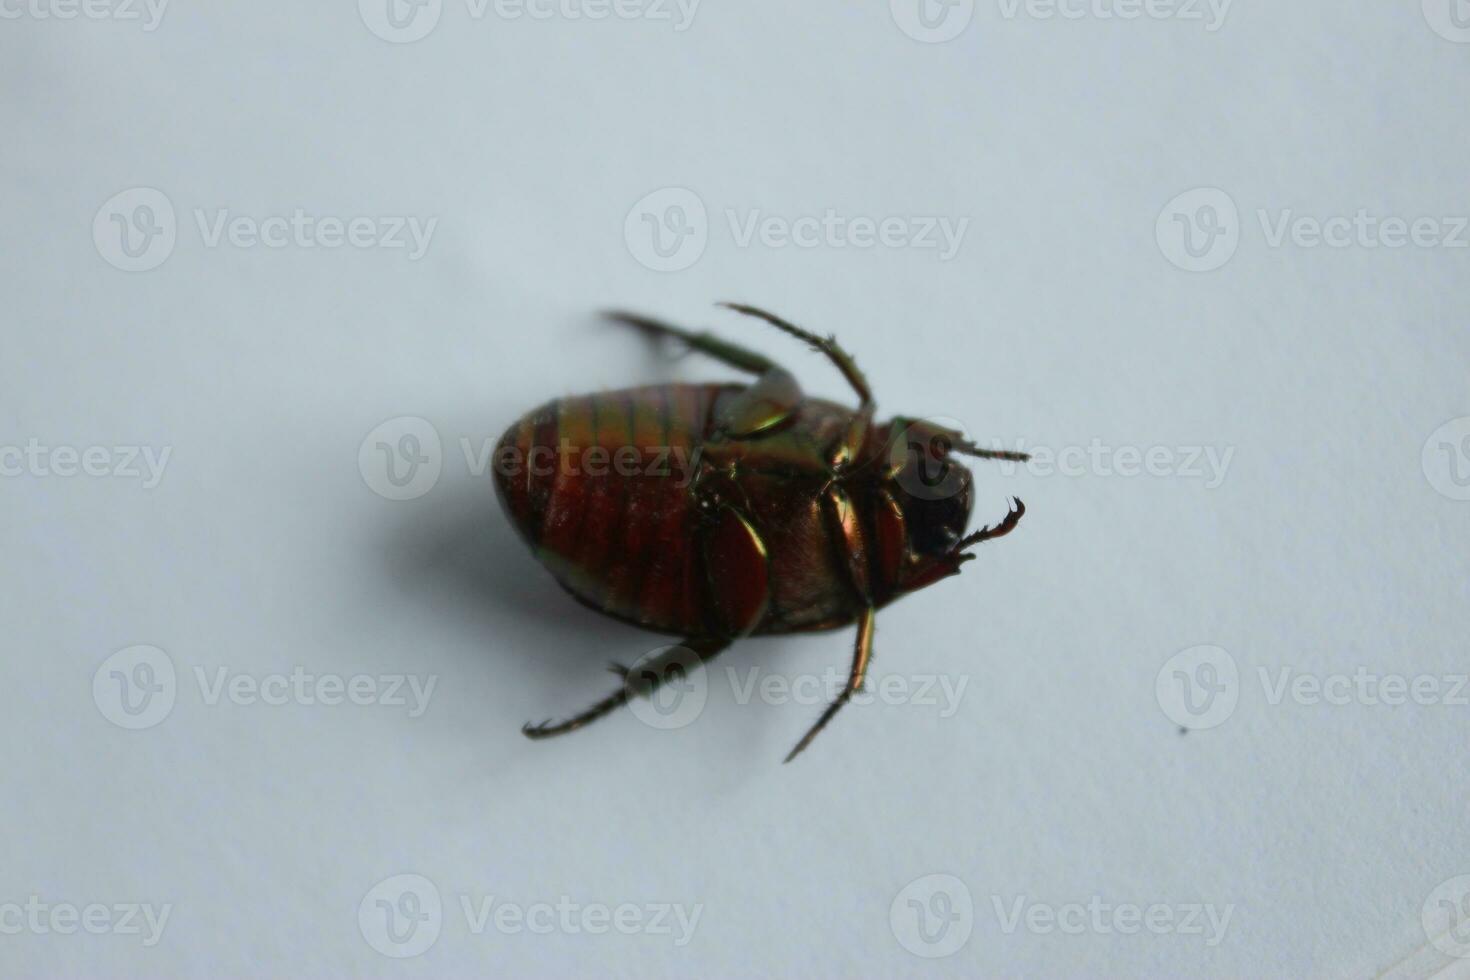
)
(931, 487)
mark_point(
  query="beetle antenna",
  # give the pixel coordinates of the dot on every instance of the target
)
(970, 449)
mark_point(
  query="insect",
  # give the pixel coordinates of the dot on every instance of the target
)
(719, 511)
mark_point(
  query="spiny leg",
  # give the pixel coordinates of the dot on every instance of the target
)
(846, 449)
(862, 653)
(706, 343)
(931, 570)
(768, 401)
(648, 679)
(825, 345)
(987, 533)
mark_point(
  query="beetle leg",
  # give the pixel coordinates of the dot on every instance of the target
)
(825, 345)
(706, 343)
(1006, 526)
(765, 404)
(647, 679)
(862, 653)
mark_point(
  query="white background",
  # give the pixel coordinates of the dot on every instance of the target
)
(1334, 542)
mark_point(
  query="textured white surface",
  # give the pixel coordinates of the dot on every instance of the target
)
(1322, 829)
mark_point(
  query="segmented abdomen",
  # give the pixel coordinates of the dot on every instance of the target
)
(599, 487)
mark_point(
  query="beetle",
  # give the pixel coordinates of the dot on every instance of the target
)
(787, 514)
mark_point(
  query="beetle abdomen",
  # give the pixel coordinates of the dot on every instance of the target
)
(599, 487)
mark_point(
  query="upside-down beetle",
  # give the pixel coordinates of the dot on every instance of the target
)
(787, 514)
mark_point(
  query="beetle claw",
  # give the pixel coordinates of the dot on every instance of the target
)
(1012, 518)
